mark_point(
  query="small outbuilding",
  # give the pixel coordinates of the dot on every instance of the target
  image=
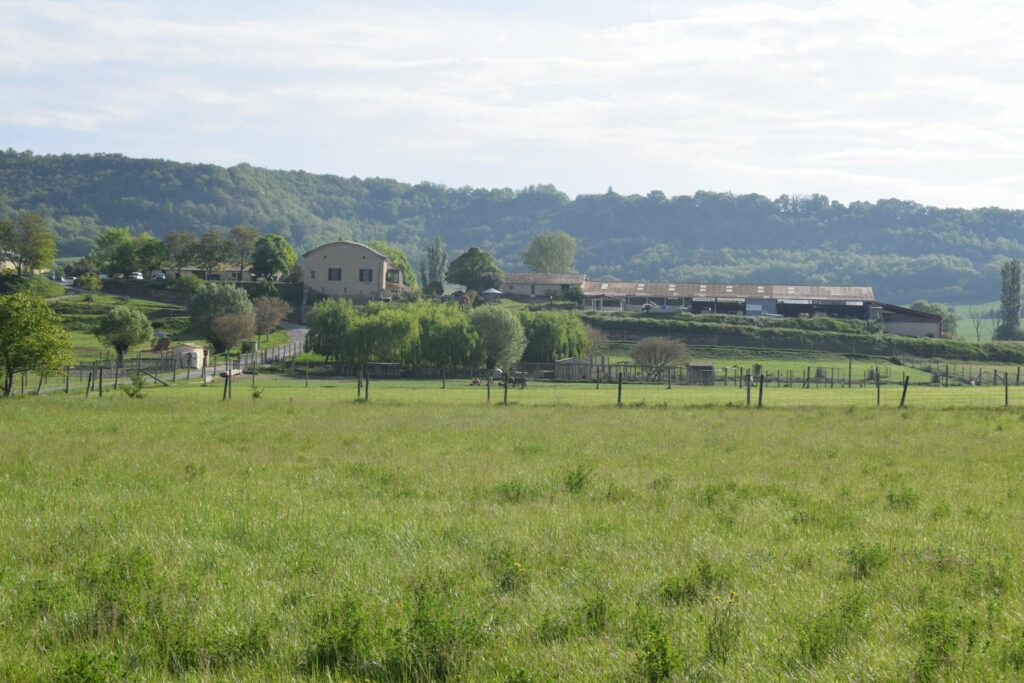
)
(700, 374)
(191, 356)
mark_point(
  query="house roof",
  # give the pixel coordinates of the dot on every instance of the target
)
(347, 243)
(545, 278)
(726, 292)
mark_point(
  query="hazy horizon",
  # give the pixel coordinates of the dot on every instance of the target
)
(854, 100)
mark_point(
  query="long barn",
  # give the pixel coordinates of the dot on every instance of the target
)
(733, 299)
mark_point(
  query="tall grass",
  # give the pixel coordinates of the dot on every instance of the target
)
(304, 536)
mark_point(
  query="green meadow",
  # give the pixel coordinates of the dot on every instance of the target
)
(304, 535)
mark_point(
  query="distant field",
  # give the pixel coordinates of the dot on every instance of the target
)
(965, 326)
(304, 535)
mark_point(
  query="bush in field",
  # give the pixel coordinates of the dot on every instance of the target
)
(658, 352)
(122, 328)
(212, 301)
(269, 311)
(502, 338)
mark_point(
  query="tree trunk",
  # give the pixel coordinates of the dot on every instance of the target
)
(121, 350)
(8, 380)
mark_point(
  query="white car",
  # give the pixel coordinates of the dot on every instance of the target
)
(136, 276)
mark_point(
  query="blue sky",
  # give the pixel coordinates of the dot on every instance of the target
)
(856, 99)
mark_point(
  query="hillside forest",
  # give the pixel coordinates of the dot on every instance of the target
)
(904, 250)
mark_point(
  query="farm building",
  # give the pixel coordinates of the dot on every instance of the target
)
(541, 285)
(733, 299)
(351, 270)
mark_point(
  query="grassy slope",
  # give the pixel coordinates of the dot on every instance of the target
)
(236, 542)
(81, 317)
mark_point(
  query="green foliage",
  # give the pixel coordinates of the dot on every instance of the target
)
(124, 327)
(502, 339)
(796, 334)
(212, 249)
(114, 251)
(243, 240)
(474, 269)
(399, 260)
(136, 389)
(32, 284)
(949, 317)
(330, 322)
(212, 301)
(272, 255)
(551, 252)
(188, 284)
(180, 248)
(28, 242)
(435, 267)
(447, 339)
(901, 248)
(1010, 303)
(31, 338)
(150, 253)
(552, 336)
(90, 282)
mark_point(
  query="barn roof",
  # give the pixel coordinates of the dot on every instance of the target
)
(597, 288)
(545, 278)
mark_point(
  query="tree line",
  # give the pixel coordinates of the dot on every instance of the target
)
(427, 333)
(905, 250)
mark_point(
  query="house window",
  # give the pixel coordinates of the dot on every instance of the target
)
(312, 275)
(392, 275)
(366, 275)
(533, 289)
(334, 273)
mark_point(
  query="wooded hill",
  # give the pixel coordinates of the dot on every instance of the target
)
(904, 250)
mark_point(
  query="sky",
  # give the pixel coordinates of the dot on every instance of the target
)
(854, 99)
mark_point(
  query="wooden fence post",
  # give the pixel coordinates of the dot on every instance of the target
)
(101, 382)
(506, 389)
(748, 389)
(224, 396)
(88, 386)
(760, 391)
(903, 398)
(1006, 390)
(878, 388)
(366, 392)
(849, 372)
(67, 380)
(619, 402)
(488, 389)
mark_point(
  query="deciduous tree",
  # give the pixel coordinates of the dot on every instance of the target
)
(27, 242)
(502, 339)
(272, 255)
(231, 328)
(475, 269)
(243, 242)
(551, 252)
(399, 260)
(123, 327)
(269, 311)
(212, 301)
(114, 251)
(181, 248)
(1010, 302)
(330, 322)
(658, 353)
(213, 248)
(31, 338)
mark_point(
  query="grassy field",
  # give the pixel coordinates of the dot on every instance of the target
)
(308, 536)
(81, 313)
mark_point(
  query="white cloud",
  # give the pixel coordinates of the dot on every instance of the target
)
(857, 99)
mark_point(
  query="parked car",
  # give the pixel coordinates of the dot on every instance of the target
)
(136, 276)
(159, 276)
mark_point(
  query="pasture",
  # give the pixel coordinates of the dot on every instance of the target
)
(426, 535)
